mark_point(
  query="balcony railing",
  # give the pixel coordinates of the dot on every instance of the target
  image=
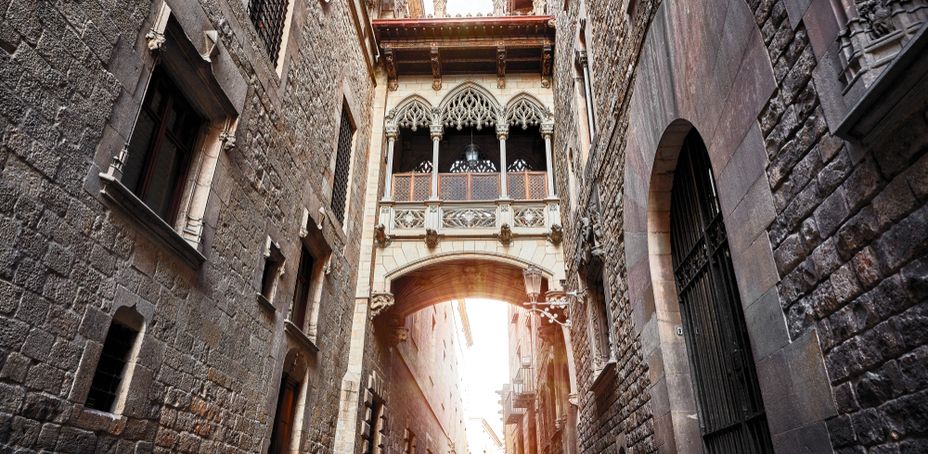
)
(511, 414)
(417, 187)
(523, 387)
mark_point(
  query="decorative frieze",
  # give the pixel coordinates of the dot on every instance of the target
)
(410, 218)
(463, 218)
(530, 217)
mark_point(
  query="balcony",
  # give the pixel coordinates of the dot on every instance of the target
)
(469, 186)
(511, 413)
(523, 387)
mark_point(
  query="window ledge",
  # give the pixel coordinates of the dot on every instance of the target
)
(300, 337)
(265, 304)
(98, 421)
(893, 95)
(149, 221)
(603, 376)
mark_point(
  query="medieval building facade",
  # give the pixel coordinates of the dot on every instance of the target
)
(231, 226)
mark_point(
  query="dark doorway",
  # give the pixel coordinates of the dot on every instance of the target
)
(286, 412)
(731, 410)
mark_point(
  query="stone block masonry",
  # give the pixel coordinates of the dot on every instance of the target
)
(72, 75)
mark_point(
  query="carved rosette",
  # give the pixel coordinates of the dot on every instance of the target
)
(380, 302)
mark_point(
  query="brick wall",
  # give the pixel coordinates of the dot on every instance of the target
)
(67, 259)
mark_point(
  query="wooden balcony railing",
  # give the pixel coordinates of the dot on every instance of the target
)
(416, 187)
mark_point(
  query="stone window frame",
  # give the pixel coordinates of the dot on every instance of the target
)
(854, 68)
(295, 365)
(277, 63)
(375, 416)
(346, 102)
(167, 44)
(271, 256)
(313, 241)
(132, 395)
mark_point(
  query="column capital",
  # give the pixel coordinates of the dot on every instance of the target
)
(502, 131)
(436, 131)
(547, 130)
(391, 131)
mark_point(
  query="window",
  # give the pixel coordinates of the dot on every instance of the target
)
(374, 422)
(117, 361)
(285, 416)
(269, 18)
(602, 319)
(273, 263)
(342, 166)
(161, 147)
(409, 442)
(301, 295)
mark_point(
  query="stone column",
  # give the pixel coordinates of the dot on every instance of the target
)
(547, 131)
(588, 91)
(436, 133)
(502, 133)
(391, 133)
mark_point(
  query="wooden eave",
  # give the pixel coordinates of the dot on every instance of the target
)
(473, 45)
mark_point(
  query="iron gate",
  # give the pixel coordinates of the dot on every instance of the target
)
(731, 410)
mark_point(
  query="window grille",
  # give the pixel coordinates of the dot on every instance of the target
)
(268, 17)
(342, 166)
(111, 367)
(731, 408)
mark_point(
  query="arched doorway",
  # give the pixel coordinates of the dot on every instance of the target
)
(731, 410)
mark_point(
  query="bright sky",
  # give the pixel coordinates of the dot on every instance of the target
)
(461, 7)
(485, 363)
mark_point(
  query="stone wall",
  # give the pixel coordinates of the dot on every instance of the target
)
(211, 357)
(849, 240)
(828, 236)
(620, 410)
(421, 380)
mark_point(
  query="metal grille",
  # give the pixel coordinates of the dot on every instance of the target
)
(528, 185)
(484, 187)
(412, 187)
(731, 411)
(268, 17)
(342, 167)
(453, 186)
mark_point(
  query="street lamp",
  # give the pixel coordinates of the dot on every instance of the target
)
(558, 300)
(532, 276)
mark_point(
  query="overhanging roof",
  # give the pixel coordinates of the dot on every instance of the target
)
(472, 45)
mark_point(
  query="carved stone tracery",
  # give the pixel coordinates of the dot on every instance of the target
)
(469, 106)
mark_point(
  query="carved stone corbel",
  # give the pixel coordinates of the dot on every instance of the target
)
(505, 234)
(431, 238)
(155, 40)
(556, 235)
(380, 236)
(500, 67)
(435, 61)
(389, 63)
(380, 302)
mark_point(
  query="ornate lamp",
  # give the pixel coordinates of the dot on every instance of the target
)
(555, 299)
(532, 277)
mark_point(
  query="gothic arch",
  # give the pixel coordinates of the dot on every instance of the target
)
(413, 112)
(525, 110)
(469, 104)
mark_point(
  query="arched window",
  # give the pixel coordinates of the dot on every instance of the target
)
(288, 418)
(731, 410)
